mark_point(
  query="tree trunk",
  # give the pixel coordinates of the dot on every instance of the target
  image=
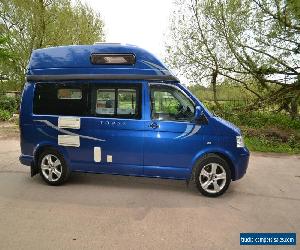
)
(214, 87)
(294, 107)
(42, 23)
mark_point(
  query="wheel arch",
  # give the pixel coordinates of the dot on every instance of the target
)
(216, 151)
(46, 145)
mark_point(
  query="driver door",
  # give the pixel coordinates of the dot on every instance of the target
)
(171, 137)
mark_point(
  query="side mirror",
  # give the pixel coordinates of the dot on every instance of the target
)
(200, 117)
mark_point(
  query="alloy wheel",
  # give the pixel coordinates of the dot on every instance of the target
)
(51, 167)
(212, 178)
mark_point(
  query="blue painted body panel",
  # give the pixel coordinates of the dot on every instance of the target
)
(169, 151)
(75, 59)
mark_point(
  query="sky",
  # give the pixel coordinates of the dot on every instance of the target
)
(140, 22)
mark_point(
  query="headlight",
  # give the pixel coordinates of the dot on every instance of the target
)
(240, 142)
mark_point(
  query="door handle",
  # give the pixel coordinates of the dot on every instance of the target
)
(153, 125)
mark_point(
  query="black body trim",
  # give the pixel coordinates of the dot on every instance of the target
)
(100, 77)
(33, 169)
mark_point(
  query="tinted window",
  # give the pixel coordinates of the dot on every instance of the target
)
(127, 102)
(64, 93)
(169, 103)
(120, 101)
(105, 104)
(61, 99)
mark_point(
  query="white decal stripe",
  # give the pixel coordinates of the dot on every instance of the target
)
(154, 65)
(160, 70)
(68, 132)
(196, 129)
(187, 130)
(44, 133)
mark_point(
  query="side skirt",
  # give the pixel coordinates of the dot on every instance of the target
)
(135, 175)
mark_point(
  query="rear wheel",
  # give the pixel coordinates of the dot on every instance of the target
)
(53, 168)
(212, 175)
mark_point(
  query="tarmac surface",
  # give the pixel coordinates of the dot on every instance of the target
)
(117, 212)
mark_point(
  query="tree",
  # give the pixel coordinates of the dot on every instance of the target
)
(3, 52)
(34, 24)
(245, 41)
(4, 57)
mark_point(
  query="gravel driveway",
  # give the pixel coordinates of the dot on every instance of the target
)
(115, 212)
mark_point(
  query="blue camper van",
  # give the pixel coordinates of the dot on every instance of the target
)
(116, 109)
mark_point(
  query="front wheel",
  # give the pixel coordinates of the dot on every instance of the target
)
(53, 168)
(212, 175)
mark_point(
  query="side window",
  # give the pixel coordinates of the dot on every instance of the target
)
(170, 104)
(121, 102)
(61, 99)
(105, 104)
(127, 102)
(71, 94)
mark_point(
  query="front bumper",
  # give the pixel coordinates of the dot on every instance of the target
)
(241, 164)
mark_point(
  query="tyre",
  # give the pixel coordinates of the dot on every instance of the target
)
(212, 175)
(53, 168)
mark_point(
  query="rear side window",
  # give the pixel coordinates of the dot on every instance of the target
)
(105, 104)
(127, 102)
(61, 99)
(120, 101)
(71, 94)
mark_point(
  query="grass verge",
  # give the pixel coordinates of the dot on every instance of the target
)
(269, 132)
(264, 131)
(267, 145)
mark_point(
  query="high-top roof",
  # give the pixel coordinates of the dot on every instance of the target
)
(74, 62)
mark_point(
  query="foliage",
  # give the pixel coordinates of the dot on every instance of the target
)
(4, 115)
(8, 107)
(266, 145)
(264, 119)
(255, 119)
(263, 131)
(225, 91)
(4, 54)
(33, 24)
(9, 104)
(244, 41)
(269, 132)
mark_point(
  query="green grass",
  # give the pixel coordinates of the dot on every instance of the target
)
(5, 115)
(265, 131)
(269, 132)
(267, 145)
(263, 119)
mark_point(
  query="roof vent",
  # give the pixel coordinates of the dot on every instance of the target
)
(121, 59)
